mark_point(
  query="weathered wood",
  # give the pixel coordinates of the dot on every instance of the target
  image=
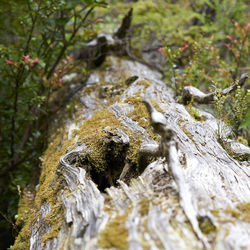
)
(125, 26)
(191, 195)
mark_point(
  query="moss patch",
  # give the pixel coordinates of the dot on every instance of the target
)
(234, 213)
(55, 220)
(227, 147)
(195, 113)
(140, 114)
(49, 188)
(144, 207)
(115, 233)
(25, 207)
(242, 140)
(91, 133)
(244, 211)
(206, 226)
(145, 83)
(22, 241)
(188, 134)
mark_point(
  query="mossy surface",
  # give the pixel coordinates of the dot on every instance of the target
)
(195, 113)
(234, 213)
(25, 207)
(226, 146)
(188, 134)
(92, 134)
(244, 211)
(206, 226)
(144, 207)
(55, 220)
(139, 113)
(241, 212)
(115, 234)
(242, 140)
(48, 191)
(22, 241)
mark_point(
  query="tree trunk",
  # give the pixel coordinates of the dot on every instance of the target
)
(99, 189)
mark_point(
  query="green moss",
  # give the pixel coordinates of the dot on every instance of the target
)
(234, 213)
(144, 207)
(22, 241)
(195, 113)
(90, 133)
(49, 187)
(55, 220)
(90, 89)
(140, 115)
(145, 83)
(25, 207)
(63, 243)
(242, 140)
(143, 241)
(227, 147)
(244, 211)
(215, 212)
(115, 233)
(206, 226)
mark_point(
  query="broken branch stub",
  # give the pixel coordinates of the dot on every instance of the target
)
(125, 26)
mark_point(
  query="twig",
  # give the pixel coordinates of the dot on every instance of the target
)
(66, 43)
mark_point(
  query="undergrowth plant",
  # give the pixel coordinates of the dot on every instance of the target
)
(214, 51)
(34, 45)
(211, 62)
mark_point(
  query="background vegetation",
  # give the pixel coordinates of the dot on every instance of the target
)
(204, 43)
(36, 36)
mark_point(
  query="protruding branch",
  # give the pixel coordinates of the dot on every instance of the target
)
(190, 93)
(125, 26)
(168, 148)
(158, 120)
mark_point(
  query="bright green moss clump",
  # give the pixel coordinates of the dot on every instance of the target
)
(195, 113)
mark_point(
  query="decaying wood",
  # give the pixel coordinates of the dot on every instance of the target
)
(125, 26)
(169, 150)
(191, 195)
(96, 51)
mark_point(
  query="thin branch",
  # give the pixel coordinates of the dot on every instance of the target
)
(34, 19)
(66, 43)
(22, 141)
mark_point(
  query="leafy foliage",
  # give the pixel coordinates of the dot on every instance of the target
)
(209, 51)
(33, 46)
